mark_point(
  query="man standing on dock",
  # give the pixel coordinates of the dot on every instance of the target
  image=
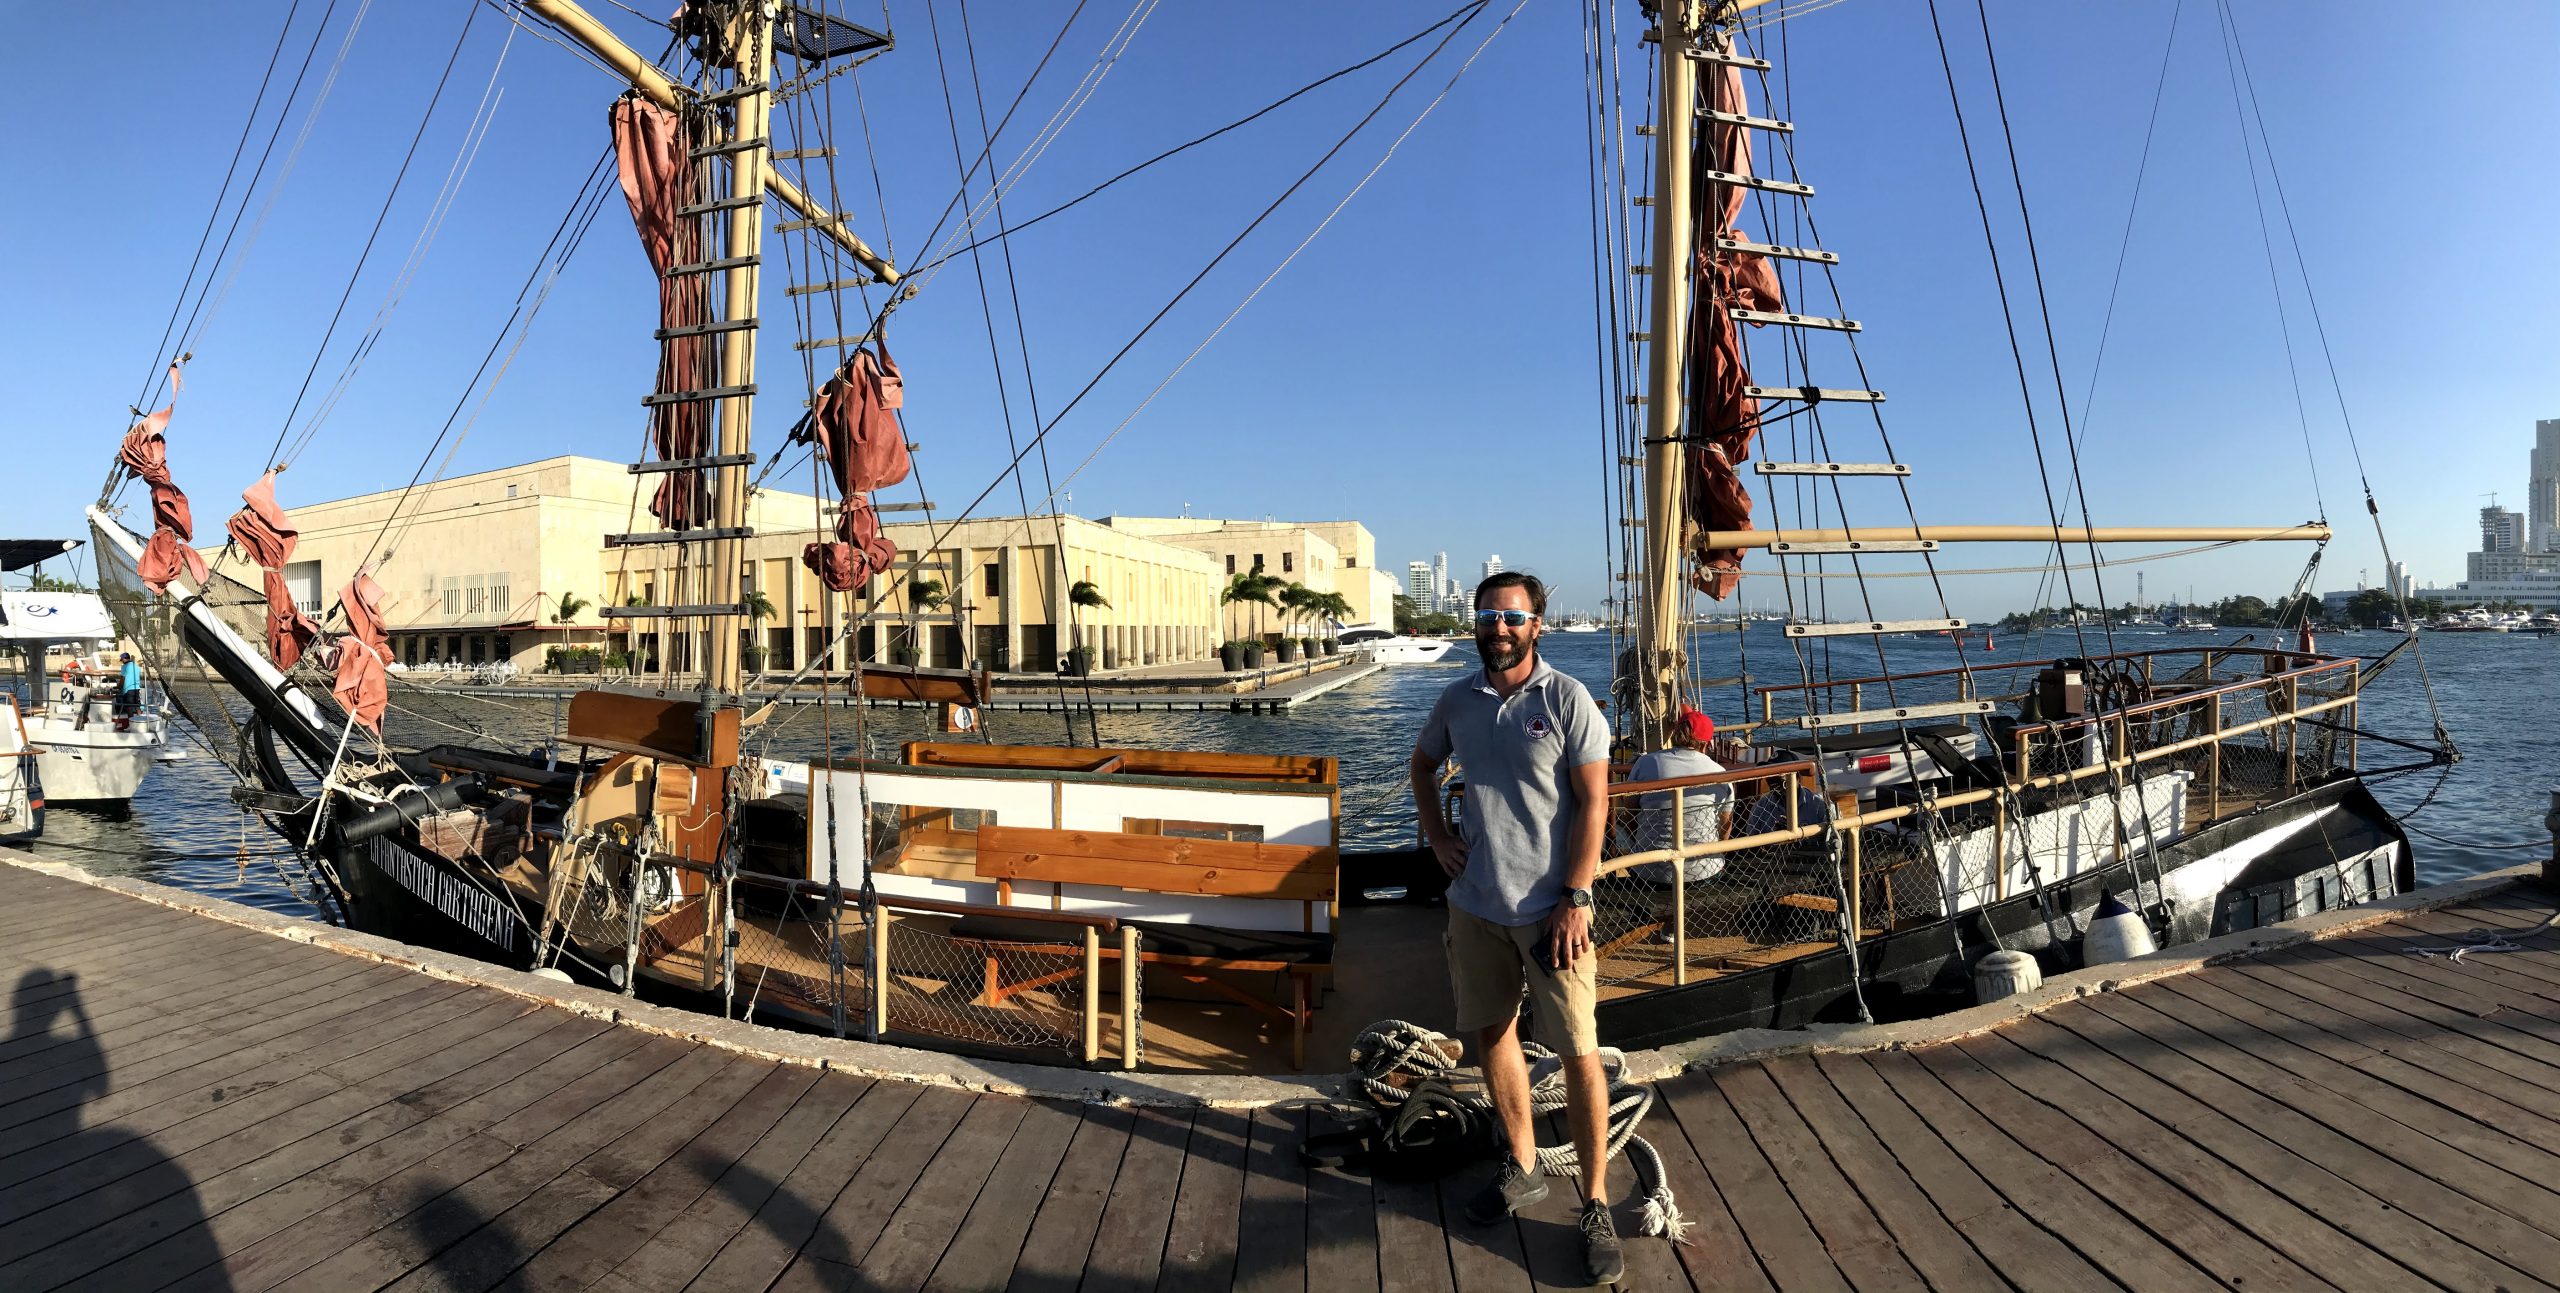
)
(1535, 749)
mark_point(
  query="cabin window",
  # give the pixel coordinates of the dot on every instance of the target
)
(1173, 829)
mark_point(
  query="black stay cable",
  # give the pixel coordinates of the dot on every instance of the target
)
(1220, 258)
(469, 15)
(2053, 353)
(1462, 13)
(221, 195)
(1022, 341)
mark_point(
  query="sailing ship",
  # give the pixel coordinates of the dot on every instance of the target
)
(1881, 833)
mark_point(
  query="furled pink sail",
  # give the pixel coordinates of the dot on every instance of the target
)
(649, 144)
(1723, 420)
(264, 532)
(145, 453)
(856, 429)
(363, 681)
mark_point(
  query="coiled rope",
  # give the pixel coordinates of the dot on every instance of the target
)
(1391, 1057)
(2487, 940)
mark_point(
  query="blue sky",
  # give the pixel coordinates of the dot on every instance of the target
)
(1427, 364)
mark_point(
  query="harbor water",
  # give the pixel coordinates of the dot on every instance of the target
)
(2482, 813)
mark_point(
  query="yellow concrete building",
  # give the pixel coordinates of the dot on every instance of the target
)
(475, 569)
(1326, 556)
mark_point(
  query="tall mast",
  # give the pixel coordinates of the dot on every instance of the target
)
(747, 144)
(1659, 662)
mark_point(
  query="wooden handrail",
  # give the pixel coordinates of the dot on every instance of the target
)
(1829, 683)
(1728, 776)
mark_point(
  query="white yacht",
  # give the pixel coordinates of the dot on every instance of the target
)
(85, 752)
(1386, 646)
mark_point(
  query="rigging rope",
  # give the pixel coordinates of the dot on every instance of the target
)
(1391, 1057)
(397, 178)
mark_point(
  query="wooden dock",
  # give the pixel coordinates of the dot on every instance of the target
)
(188, 1103)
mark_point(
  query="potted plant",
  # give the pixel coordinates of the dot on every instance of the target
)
(1288, 650)
(1335, 608)
(1080, 661)
(1253, 653)
(1231, 655)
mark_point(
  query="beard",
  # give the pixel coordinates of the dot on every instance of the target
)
(1499, 654)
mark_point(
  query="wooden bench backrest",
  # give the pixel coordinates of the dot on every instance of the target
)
(1159, 863)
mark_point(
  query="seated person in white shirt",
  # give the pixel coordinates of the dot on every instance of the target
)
(1702, 807)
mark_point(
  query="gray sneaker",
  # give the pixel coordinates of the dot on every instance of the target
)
(1603, 1261)
(1512, 1189)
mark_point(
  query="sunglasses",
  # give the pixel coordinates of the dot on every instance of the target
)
(1487, 619)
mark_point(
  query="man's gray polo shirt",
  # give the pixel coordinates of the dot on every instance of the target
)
(1518, 755)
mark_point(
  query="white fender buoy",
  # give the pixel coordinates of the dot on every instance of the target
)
(553, 973)
(2005, 974)
(2116, 933)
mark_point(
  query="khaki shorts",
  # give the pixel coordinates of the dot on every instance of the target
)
(1490, 965)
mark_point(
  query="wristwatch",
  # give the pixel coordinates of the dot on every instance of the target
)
(1577, 897)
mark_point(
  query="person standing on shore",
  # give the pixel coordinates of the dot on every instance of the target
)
(1535, 749)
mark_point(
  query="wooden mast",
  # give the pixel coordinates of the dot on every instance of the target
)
(748, 141)
(581, 26)
(1659, 661)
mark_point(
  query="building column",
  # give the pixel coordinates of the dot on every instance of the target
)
(1009, 590)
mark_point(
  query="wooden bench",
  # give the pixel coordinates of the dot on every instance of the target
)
(1306, 875)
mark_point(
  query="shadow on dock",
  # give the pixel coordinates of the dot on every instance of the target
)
(48, 1015)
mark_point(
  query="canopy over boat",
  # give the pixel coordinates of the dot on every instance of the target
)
(18, 554)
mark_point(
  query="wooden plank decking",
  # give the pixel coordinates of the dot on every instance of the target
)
(186, 1103)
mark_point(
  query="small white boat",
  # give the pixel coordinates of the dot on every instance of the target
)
(85, 751)
(1386, 646)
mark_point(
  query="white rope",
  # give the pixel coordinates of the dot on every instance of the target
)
(2486, 940)
(1393, 1049)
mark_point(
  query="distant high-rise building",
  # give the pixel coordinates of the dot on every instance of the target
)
(1440, 580)
(1456, 598)
(1493, 565)
(2396, 580)
(2501, 530)
(2542, 495)
(1420, 588)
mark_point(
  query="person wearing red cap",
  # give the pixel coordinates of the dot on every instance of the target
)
(1701, 807)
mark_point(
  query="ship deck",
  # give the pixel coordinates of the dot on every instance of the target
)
(191, 1102)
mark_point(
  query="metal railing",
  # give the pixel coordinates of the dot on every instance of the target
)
(806, 950)
(1784, 871)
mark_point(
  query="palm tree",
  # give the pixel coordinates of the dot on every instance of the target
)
(1297, 605)
(1083, 593)
(1332, 606)
(928, 595)
(1253, 588)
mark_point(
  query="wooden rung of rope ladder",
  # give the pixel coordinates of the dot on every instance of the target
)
(696, 397)
(1854, 627)
(1639, 269)
(735, 94)
(820, 221)
(901, 507)
(733, 146)
(839, 343)
(799, 154)
(831, 285)
(690, 464)
(713, 266)
(1644, 199)
(669, 612)
(1806, 902)
(1906, 713)
(1781, 251)
(1794, 320)
(705, 535)
(704, 329)
(1813, 394)
(1639, 336)
(1761, 183)
(1850, 547)
(1831, 469)
(722, 204)
(1748, 121)
(1730, 60)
